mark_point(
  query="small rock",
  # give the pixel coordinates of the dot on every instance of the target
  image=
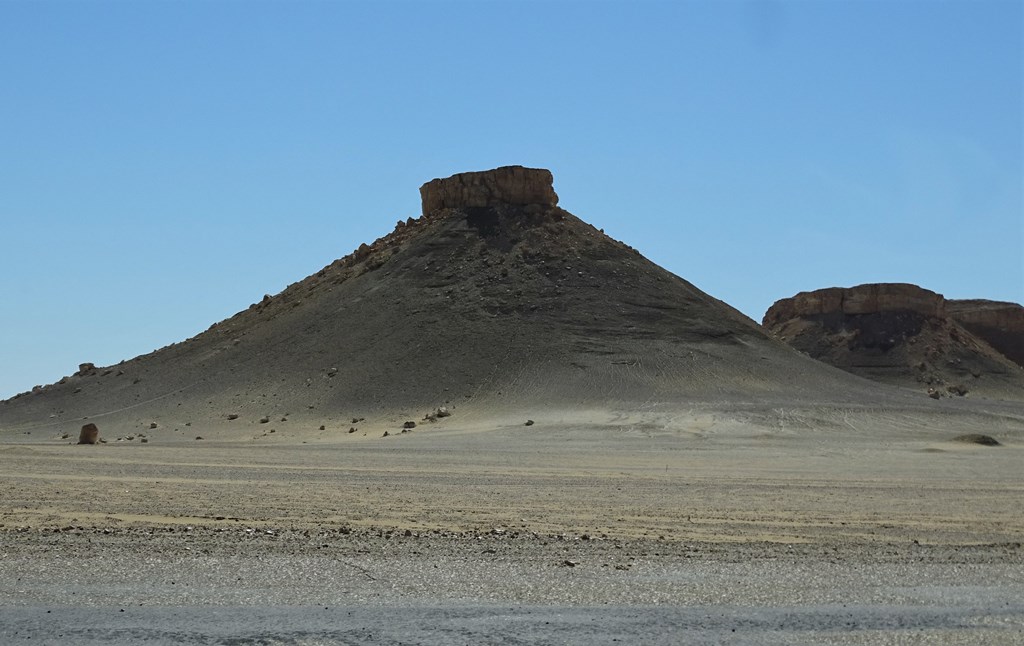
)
(569, 563)
(443, 411)
(385, 434)
(264, 420)
(152, 424)
(977, 438)
(529, 422)
(145, 440)
(199, 437)
(323, 428)
(409, 425)
(352, 429)
(233, 416)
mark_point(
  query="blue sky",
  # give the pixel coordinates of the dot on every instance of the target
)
(165, 164)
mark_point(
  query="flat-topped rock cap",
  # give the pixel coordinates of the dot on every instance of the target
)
(862, 299)
(506, 185)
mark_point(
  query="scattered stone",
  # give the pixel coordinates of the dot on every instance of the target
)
(934, 394)
(957, 389)
(89, 434)
(437, 413)
(529, 422)
(386, 434)
(233, 416)
(144, 440)
(323, 428)
(331, 372)
(409, 425)
(199, 437)
(152, 424)
(65, 436)
(264, 420)
(352, 429)
(570, 563)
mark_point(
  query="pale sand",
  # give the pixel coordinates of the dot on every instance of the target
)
(820, 526)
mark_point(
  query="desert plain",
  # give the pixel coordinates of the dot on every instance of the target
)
(498, 426)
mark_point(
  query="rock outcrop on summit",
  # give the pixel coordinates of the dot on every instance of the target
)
(494, 299)
(511, 185)
(900, 334)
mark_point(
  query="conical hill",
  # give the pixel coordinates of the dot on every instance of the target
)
(495, 297)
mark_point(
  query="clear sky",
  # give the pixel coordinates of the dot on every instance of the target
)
(165, 164)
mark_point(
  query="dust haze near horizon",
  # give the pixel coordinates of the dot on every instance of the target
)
(165, 165)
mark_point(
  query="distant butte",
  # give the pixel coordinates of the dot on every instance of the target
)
(1000, 324)
(905, 335)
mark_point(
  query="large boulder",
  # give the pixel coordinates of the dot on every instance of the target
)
(89, 434)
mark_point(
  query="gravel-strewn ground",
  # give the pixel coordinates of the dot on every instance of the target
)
(270, 585)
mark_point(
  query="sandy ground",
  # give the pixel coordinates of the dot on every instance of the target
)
(879, 530)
